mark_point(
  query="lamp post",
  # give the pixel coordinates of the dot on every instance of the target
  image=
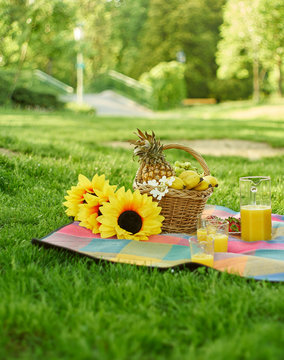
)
(78, 35)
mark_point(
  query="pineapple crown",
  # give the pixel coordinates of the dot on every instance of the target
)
(147, 146)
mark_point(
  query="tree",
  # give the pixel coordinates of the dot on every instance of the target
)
(252, 38)
(190, 26)
(98, 48)
(33, 33)
(127, 32)
(272, 36)
(240, 44)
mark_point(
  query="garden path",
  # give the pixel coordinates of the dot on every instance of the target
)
(222, 147)
(110, 103)
(216, 147)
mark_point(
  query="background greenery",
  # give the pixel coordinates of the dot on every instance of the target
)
(59, 306)
(232, 49)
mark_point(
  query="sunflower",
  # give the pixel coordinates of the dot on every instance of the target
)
(74, 198)
(130, 216)
(90, 210)
(76, 194)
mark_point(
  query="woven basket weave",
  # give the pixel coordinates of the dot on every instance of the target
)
(180, 208)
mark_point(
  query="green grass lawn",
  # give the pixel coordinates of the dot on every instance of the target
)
(55, 305)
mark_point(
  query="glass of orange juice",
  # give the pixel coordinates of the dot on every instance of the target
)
(202, 252)
(218, 230)
(201, 228)
(255, 208)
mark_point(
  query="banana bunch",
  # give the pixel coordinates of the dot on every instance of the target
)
(190, 179)
(207, 182)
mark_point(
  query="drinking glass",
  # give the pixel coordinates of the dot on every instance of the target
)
(202, 252)
(201, 231)
(255, 208)
(216, 230)
(220, 234)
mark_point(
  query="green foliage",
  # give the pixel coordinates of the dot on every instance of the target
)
(168, 84)
(190, 26)
(127, 32)
(4, 90)
(29, 80)
(28, 98)
(258, 47)
(40, 34)
(80, 108)
(231, 89)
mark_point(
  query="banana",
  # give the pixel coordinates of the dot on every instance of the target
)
(178, 184)
(212, 180)
(187, 173)
(203, 185)
(190, 178)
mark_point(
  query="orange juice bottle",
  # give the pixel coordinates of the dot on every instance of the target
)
(255, 208)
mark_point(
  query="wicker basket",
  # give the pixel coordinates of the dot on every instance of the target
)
(180, 208)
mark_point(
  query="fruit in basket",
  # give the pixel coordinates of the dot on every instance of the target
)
(178, 183)
(190, 178)
(212, 180)
(179, 167)
(203, 185)
(153, 164)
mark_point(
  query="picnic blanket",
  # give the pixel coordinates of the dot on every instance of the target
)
(261, 260)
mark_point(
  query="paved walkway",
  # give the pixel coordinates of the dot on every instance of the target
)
(110, 103)
(223, 147)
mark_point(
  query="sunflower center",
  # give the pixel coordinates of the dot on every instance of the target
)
(130, 221)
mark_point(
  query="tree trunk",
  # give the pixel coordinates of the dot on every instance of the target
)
(256, 96)
(280, 77)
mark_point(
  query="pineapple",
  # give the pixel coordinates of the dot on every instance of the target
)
(153, 164)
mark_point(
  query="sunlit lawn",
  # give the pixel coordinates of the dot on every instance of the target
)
(58, 306)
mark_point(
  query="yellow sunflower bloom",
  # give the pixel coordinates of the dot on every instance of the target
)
(85, 183)
(76, 194)
(74, 198)
(90, 210)
(130, 216)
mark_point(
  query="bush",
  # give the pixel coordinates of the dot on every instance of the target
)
(80, 108)
(231, 89)
(25, 97)
(4, 90)
(167, 81)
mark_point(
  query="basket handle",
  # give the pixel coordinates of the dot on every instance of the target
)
(192, 152)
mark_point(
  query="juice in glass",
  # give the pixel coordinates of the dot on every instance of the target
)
(204, 259)
(220, 242)
(201, 234)
(256, 222)
(202, 252)
(215, 231)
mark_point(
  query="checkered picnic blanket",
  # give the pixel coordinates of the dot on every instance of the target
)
(262, 260)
